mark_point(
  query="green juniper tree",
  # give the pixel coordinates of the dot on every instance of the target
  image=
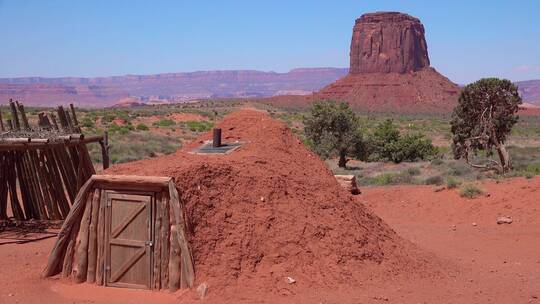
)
(334, 129)
(485, 114)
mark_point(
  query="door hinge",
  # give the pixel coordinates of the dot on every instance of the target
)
(149, 243)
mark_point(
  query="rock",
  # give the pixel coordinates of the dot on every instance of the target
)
(390, 68)
(474, 224)
(202, 290)
(387, 42)
(348, 182)
(439, 189)
(504, 220)
(290, 280)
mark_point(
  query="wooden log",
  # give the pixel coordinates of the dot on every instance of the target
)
(2, 128)
(14, 116)
(13, 171)
(67, 266)
(33, 165)
(157, 243)
(52, 208)
(105, 150)
(67, 169)
(74, 116)
(30, 210)
(187, 271)
(23, 116)
(51, 184)
(46, 122)
(40, 140)
(59, 250)
(100, 261)
(56, 180)
(165, 232)
(10, 124)
(174, 259)
(62, 117)
(3, 186)
(34, 186)
(41, 123)
(53, 120)
(70, 122)
(80, 265)
(16, 140)
(132, 180)
(92, 238)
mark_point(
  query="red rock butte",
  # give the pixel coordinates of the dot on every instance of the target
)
(390, 68)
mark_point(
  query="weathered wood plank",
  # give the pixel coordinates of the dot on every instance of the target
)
(100, 262)
(80, 265)
(187, 269)
(157, 243)
(165, 232)
(92, 241)
(58, 252)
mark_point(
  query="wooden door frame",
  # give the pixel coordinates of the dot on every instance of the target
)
(149, 249)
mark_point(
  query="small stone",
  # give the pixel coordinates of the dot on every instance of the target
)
(454, 227)
(290, 280)
(10, 295)
(202, 290)
(474, 224)
(504, 220)
(262, 199)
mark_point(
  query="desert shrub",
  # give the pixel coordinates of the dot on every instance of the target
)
(142, 127)
(412, 147)
(135, 146)
(386, 143)
(163, 123)
(452, 183)
(437, 162)
(470, 191)
(384, 179)
(459, 169)
(88, 122)
(107, 118)
(533, 169)
(199, 126)
(434, 180)
(123, 130)
(413, 171)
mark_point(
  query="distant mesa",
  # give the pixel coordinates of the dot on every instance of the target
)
(390, 68)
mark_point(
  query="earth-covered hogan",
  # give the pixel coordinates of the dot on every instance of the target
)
(271, 210)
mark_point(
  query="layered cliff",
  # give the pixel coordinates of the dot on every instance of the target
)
(390, 68)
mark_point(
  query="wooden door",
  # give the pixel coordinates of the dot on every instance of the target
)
(129, 240)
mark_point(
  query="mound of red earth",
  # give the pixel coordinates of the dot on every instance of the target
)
(389, 68)
(272, 210)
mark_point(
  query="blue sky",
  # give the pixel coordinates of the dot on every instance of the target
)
(467, 40)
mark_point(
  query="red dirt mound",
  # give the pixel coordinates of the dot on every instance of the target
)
(271, 210)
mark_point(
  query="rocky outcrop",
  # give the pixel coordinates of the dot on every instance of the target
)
(388, 42)
(389, 68)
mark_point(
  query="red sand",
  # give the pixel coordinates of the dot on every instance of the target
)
(311, 230)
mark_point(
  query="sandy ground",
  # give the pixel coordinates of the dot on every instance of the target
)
(496, 263)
